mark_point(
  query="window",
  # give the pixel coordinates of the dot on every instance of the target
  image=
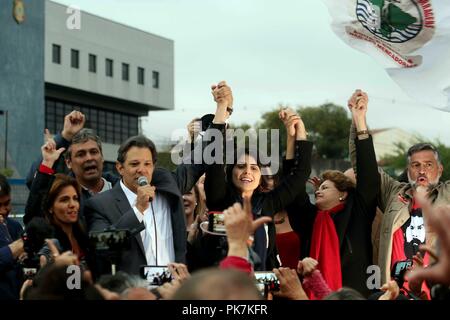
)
(155, 78)
(112, 127)
(109, 68)
(141, 75)
(75, 58)
(92, 63)
(125, 71)
(56, 54)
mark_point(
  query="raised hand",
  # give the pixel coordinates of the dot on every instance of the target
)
(194, 127)
(290, 285)
(295, 127)
(73, 123)
(49, 152)
(223, 96)
(358, 107)
(240, 226)
(290, 120)
(315, 181)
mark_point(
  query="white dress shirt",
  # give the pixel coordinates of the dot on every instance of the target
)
(156, 240)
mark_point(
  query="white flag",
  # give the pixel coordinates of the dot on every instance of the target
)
(410, 38)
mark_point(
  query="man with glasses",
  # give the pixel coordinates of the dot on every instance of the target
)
(399, 201)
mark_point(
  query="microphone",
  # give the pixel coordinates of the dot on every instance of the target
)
(143, 181)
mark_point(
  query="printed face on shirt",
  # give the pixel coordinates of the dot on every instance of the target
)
(246, 176)
(424, 169)
(86, 162)
(138, 162)
(414, 233)
(416, 230)
(66, 206)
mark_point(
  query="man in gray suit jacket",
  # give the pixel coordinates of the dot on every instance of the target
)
(153, 210)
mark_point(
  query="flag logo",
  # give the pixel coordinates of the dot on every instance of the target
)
(391, 20)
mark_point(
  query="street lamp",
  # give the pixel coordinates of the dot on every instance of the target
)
(5, 113)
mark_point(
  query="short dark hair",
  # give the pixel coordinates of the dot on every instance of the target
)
(5, 188)
(340, 180)
(82, 136)
(140, 141)
(423, 146)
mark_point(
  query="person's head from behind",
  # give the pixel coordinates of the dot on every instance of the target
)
(245, 173)
(5, 196)
(333, 190)
(136, 157)
(218, 284)
(62, 204)
(344, 294)
(424, 165)
(51, 283)
(85, 158)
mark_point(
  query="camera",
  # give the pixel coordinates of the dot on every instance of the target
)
(155, 275)
(33, 238)
(110, 241)
(216, 222)
(30, 265)
(398, 271)
(266, 282)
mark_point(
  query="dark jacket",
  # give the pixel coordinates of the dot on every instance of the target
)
(221, 195)
(354, 223)
(112, 209)
(10, 271)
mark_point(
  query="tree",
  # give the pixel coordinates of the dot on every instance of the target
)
(327, 125)
(397, 162)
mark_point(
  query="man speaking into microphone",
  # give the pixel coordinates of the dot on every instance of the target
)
(148, 200)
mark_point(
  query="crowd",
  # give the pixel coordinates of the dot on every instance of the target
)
(364, 235)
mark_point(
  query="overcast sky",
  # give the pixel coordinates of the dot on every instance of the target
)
(270, 52)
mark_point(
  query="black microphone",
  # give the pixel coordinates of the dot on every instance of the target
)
(143, 181)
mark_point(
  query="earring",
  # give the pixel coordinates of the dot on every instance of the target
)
(341, 199)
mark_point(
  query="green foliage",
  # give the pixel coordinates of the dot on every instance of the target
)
(398, 162)
(327, 125)
(7, 172)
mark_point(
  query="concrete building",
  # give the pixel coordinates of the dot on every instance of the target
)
(385, 140)
(58, 59)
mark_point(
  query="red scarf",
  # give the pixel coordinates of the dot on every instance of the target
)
(325, 247)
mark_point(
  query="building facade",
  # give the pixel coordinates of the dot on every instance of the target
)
(55, 59)
(60, 59)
